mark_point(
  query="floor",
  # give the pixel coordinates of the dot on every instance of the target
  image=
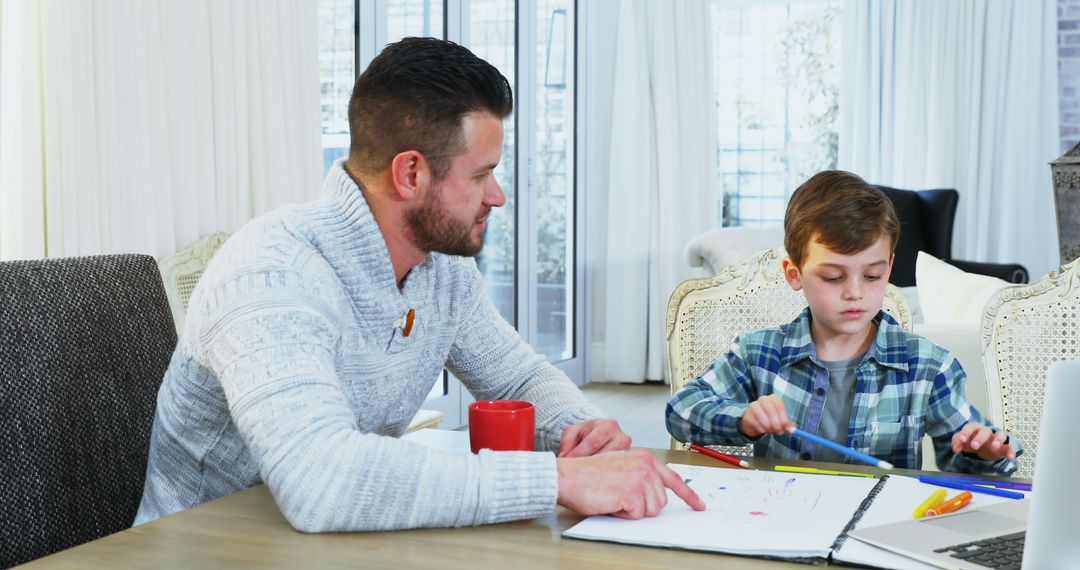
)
(639, 409)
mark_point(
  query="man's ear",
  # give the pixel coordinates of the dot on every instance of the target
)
(410, 174)
(791, 273)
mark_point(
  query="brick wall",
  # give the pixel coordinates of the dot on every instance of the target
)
(1069, 72)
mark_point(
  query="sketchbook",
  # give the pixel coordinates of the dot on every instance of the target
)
(774, 514)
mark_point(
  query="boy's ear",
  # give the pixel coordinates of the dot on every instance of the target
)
(792, 273)
(410, 174)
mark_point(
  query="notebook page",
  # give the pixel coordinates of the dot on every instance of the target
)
(764, 513)
(895, 503)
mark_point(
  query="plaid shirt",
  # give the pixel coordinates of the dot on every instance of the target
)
(906, 386)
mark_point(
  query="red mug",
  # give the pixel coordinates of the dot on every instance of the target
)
(502, 425)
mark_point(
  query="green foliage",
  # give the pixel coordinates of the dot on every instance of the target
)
(811, 46)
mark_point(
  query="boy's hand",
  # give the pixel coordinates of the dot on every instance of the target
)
(982, 441)
(765, 415)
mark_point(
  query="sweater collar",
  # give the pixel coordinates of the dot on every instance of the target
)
(358, 251)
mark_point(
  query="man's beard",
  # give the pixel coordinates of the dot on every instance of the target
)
(434, 229)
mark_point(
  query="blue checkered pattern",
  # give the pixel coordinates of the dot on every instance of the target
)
(906, 386)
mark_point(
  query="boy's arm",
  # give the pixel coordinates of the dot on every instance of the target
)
(949, 411)
(707, 409)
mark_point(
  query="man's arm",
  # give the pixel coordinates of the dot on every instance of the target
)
(494, 363)
(276, 365)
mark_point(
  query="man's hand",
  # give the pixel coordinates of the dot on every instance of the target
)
(592, 437)
(627, 484)
(982, 441)
(765, 415)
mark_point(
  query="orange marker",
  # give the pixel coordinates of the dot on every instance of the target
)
(954, 504)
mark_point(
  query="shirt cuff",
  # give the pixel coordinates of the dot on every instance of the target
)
(518, 484)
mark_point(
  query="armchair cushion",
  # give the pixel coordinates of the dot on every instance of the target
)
(950, 295)
(716, 249)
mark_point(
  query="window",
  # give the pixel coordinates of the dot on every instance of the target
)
(530, 251)
(492, 36)
(777, 93)
(337, 72)
(552, 180)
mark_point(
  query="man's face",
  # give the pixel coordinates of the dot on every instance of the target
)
(453, 214)
(844, 291)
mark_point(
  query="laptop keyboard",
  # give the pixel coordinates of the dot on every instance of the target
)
(999, 552)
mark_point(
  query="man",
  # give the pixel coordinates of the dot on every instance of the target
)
(299, 367)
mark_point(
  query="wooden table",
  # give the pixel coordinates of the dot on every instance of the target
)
(246, 529)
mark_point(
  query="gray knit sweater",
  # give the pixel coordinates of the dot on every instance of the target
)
(290, 371)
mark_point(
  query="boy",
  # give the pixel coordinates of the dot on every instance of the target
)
(843, 368)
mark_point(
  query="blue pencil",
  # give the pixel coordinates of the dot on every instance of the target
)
(840, 448)
(943, 482)
(999, 483)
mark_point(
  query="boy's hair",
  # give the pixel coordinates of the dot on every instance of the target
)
(840, 210)
(412, 97)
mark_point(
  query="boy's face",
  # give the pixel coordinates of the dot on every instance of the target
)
(844, 291)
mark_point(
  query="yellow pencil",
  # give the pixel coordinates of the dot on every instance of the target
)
(816, 471)
(932, 501)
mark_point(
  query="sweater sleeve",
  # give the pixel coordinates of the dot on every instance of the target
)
(273, 351)
(494, 363)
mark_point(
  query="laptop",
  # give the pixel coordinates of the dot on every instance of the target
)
(1037, 532)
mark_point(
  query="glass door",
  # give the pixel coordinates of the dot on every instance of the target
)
(531, 251)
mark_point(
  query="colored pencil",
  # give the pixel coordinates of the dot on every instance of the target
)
(816, 471)
(840, 448)
(943, 482)
(986, 482)
(721, 456)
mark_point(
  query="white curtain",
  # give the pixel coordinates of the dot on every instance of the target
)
(661, 177)
(142, 125)
(959, 94)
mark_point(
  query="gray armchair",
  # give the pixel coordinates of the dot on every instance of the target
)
(84, 343)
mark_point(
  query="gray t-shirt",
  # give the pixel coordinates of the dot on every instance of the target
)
(836, 416)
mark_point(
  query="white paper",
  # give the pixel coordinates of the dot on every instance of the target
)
(441, 439)
(769, 513)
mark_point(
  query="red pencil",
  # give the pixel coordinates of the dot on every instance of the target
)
(721, 456)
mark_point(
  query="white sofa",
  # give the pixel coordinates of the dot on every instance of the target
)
(716, 249)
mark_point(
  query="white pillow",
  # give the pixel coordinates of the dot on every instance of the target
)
(950, 295)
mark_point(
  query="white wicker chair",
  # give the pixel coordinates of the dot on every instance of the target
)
(182, 270)
(1025, 328)
(705, 315)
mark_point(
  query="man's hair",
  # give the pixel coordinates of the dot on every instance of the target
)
(413, 96)
(840, 210)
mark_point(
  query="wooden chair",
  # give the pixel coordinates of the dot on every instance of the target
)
(705, 315)
(1025, 328)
